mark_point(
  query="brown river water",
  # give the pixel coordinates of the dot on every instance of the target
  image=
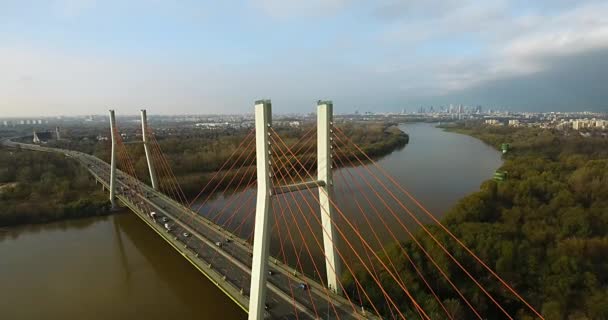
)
(116, 268)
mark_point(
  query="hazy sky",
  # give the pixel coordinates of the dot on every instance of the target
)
(83, 56)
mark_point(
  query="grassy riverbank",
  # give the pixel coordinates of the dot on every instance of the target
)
(544, 230)
(37, 187)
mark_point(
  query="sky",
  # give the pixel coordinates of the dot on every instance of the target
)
(198, 57)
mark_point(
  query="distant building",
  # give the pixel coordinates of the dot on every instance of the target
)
(564, 125)
(211, 125)
(514, 123)
(577, 125)
(42, 137)
(493, 122)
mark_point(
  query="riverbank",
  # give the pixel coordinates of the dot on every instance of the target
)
(41, 187)
(195, 159)
(432, 155)
(544, 229)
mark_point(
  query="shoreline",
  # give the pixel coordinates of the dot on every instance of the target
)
(93, 205)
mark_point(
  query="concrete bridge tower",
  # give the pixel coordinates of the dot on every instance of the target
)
(324, 182)
(261, 238)
(144, 135)
(113, 134)
(324, 172)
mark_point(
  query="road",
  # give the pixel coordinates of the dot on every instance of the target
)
(221, 256)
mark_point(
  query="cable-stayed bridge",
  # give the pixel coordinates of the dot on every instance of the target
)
(296, 207)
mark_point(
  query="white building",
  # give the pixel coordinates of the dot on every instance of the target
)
(579, 124)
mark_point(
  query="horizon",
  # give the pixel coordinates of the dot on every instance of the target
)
(208, 58)
(413, 112)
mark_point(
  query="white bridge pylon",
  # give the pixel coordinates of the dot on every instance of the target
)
(261, 240)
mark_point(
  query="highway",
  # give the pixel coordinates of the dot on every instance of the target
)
(221, 256)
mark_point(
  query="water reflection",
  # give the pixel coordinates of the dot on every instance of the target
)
(117, 268)
(102, 268)
(436, 167)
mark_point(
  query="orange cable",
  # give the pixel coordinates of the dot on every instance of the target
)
(225, 174)
(441, 246)
(365, 242)
(390, 232)
(421, 247)
(238, 148)
(339, 253)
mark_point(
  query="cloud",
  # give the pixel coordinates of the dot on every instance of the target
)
(72, 8)
(510, 45)
(574, 82)
(299, 8)
(385, 53)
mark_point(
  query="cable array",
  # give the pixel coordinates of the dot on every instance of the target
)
(371, 210)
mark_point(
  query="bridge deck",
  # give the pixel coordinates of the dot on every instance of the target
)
(227, 265)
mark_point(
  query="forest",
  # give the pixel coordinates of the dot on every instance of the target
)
(194, 155)
(544, 229)
(38, 187)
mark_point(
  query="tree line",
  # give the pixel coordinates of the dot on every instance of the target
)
(39, 187)
(544, 230)
(195, 155)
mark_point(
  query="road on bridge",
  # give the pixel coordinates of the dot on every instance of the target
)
(221, 256)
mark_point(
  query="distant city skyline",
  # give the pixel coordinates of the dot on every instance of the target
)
(455, 109)
(80, 57)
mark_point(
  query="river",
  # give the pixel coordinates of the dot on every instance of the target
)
(115, 268)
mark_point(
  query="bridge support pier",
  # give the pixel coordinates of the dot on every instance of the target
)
(261, 239)
(144, 135)
(324, 171)
(113, 134)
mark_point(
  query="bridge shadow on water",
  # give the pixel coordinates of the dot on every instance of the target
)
(198, 298)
